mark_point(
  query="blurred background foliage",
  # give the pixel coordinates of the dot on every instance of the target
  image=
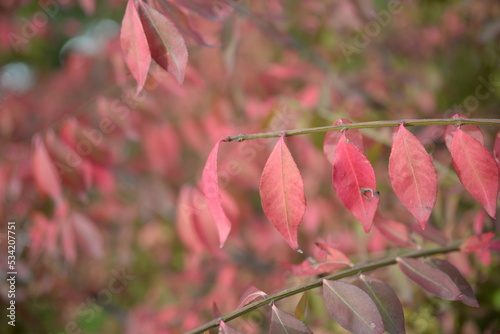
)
(272, 65)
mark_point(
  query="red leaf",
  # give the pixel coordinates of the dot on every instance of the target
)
(184, 223)
(459, 280)
(225, 329)
(332, 255)
(282, 193)
(332, 139)
(354, 182)
(476, 242)
(472, 130)
(352, 308)
(394, 231)
(387, 302)
(431, 279)
(477, 170)
(285, 323)
(310, 267)
(135, 45)
(68, 240)
(210, 188)
(165, 42)
(478, 224)
(413, 176)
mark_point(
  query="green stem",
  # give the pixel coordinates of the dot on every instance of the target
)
(360, 268)
(362, 125)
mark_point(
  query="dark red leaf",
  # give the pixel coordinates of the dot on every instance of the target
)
(166, 44)
(494, 245)
(472, 130)
(387, 302)
(352, 308)
(394, 231)
(282, 193)
(459, 280)
(251, 294)
(135, 45)
(354, 181)
(285, 323)
(496, 149)
(210, 188)
(431, 279)
(413, 176)
(476, 242)
(332, 139)
(477, 170)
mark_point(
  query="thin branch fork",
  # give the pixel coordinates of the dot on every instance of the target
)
(365, 125)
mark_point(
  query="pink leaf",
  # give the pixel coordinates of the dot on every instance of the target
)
(431, 279)
(352, 308)
(413, 176)
(210, 188)
(477, 170)
(225, 329)
(88, 6)
(476, 242)
(210, 9)
(394, 231)
(135, 45)
(285, 323)
(68, 240)
(479, 222)
(282, 193)
(310, 267)
(459, 280)
(494, 245)
(165, 42)
(387, 302)
(332, 139)
(472, 130)
(332, 255)
(354, 181)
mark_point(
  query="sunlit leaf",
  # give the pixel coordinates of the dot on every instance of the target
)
(413, 176)
(354, 181)
(477, 170)
(282, 193)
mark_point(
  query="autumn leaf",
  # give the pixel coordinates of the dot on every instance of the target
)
(135, 45)
(225, 329)
(472, 130)
(394, 231)
(282, 193)
(476, 242)
(332, 139)
(413, 176)
(477, 170)
(354, 181)
(431, 279)
(166, 45)
(352, 308)
(210, 188)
